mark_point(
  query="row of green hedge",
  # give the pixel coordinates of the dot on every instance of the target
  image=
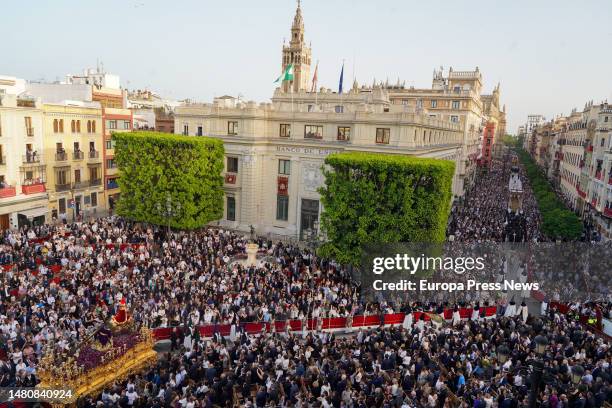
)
(161, 171)
(383, 198)
(557, 220)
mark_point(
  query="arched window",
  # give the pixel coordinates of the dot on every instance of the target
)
(55, 126)
(89, 126)
(73, 126)
(93, 126)
(61, 125)
(78, 125)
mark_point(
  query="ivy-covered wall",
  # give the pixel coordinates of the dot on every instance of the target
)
(154, 166)
(381, 198)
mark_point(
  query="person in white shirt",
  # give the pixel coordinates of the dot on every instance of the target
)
(131, 395)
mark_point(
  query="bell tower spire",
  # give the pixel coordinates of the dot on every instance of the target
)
(298, 54)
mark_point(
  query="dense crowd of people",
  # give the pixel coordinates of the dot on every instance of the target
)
(485, 214)
(189, 278)
(425, 365)
(59, 283)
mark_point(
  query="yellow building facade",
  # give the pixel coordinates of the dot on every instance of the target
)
(72, 145)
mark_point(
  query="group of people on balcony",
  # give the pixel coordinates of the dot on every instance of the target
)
(31, 156)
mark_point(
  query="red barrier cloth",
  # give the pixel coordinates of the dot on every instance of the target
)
(327, 323)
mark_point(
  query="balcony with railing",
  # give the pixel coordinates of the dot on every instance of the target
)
(33, 187)
(30, 158)
(61, 156)
(95, 182)
(78, 185)
(62, 187)
(7, 191)
(93, 155)
(79, 155)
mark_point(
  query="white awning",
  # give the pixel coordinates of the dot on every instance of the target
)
(34, 212)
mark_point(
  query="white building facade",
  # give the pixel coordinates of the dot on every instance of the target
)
(23, 196)
(275, 151)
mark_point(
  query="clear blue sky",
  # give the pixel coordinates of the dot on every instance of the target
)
(549, 56)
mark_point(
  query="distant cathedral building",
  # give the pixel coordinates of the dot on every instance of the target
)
(298, 54)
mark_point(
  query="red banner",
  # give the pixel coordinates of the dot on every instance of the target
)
(283, 185)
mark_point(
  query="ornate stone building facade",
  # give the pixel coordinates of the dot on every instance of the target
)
(576, 154)
(456, 97)
(275, 151)
(298, 55)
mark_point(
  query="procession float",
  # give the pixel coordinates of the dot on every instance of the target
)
(112, 352)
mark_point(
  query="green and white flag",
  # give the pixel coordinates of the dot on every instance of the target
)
(287, 75)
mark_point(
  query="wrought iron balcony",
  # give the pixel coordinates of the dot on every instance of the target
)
(30, 158)
(62, 187)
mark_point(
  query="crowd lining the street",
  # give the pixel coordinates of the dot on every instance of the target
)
(60, 282)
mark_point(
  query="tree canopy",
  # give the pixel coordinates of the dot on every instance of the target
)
(159, 172)
(557, 220)
(382, 198)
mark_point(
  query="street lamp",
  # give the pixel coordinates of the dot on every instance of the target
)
(169, 210)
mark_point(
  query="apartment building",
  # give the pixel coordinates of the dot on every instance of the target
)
(23, 195)
(73, 140)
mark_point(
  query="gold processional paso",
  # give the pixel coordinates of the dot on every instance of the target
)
(61, 370)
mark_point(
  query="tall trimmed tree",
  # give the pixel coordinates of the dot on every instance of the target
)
(380, 198)
(156, 168)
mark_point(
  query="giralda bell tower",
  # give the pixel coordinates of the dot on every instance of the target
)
(298, 54)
